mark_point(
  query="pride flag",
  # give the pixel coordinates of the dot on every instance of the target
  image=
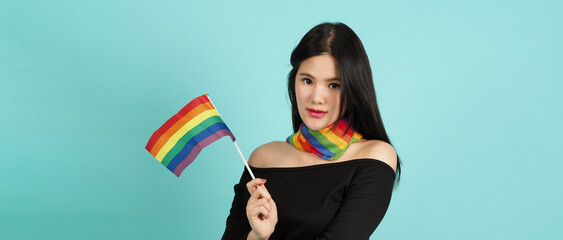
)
(178, 142)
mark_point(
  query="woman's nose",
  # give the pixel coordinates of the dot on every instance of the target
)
(318, 95)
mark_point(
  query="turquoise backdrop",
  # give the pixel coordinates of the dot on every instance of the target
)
(470, 92)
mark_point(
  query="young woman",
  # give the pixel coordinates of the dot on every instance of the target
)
(332, 178)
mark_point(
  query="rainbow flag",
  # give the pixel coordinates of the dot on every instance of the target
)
(178, 142)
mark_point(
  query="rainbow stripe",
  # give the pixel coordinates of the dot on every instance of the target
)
(328, 143)
(178, 142)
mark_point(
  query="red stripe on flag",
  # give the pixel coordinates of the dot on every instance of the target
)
(178, 125)
(173, 120)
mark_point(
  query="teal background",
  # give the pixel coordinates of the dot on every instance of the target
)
(470, 92)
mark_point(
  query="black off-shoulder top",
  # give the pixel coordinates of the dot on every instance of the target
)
(344, 200)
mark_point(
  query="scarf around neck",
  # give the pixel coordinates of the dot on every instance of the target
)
(328, 143)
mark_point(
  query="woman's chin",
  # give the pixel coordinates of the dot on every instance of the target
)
(316, 125)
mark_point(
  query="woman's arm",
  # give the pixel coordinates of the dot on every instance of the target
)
(368, 195)
(238, 226)
(365, 204)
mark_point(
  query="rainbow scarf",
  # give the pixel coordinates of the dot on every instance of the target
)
(328, 143)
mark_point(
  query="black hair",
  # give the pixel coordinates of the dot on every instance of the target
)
(358, 102)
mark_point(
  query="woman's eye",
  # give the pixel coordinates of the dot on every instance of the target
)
(307, 81)
(334, 85)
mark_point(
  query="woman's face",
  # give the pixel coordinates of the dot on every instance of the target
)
(317, 89)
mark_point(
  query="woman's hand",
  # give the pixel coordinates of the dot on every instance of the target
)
(261, 210)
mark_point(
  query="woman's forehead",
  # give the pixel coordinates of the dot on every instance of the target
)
(320, 67)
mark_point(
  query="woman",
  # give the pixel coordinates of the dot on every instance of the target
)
(332, 178)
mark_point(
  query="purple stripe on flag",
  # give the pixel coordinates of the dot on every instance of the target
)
(197, 148)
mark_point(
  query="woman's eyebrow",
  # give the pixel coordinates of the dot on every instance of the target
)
(311, 76)
(306, 74)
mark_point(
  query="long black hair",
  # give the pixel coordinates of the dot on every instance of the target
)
(358, 102)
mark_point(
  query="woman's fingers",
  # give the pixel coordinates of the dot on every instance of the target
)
(274, 209)
(263, 192)
(252, 185)
(260, 202)
(259, 205)
(259, 208)
(257, 194)
(259, 212)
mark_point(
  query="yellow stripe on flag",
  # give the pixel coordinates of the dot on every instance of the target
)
(183, 130)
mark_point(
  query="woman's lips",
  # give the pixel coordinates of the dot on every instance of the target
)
(316, 113)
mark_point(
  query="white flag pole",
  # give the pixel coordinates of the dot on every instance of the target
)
(235, 142)
(244, 160)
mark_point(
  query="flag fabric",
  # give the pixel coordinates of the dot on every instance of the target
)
(178, 142)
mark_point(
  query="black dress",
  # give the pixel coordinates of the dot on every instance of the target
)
(344, 200)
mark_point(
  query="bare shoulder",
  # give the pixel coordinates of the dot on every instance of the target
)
(266, 154)
(379, 150)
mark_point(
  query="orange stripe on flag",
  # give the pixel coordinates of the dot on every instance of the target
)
(174, 128)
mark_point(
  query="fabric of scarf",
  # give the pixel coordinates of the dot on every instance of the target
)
(328, 143)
